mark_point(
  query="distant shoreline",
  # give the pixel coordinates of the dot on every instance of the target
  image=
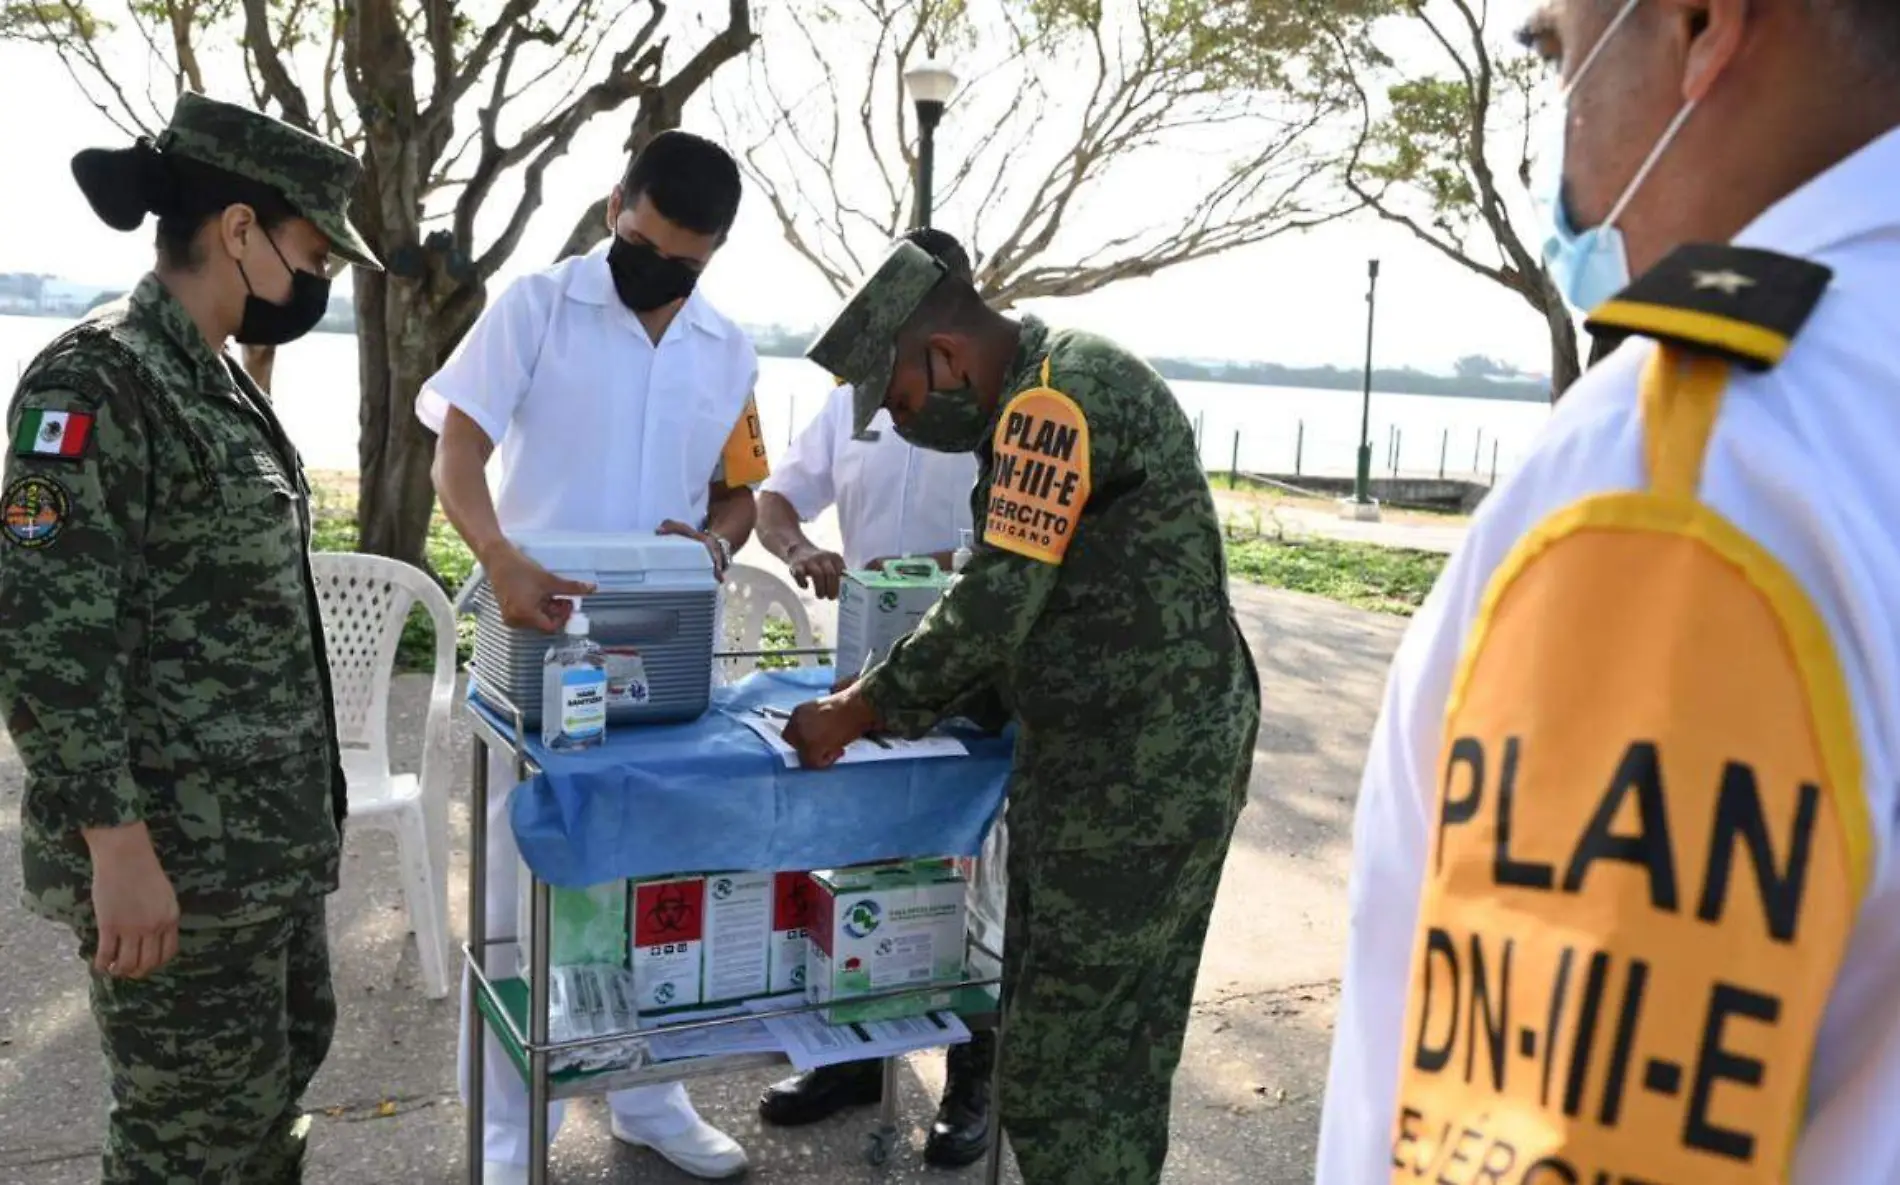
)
(777, 343)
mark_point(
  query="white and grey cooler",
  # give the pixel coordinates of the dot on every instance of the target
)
(656, 614)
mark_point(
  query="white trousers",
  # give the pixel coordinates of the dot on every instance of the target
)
(652, 1113)
(985, 901)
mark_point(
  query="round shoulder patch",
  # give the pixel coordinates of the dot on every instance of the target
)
(33, 511)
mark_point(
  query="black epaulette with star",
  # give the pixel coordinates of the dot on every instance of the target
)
(1735, 302)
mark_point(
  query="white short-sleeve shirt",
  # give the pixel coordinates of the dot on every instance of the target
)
(598, 428)
(893, 498)
(1802, 460)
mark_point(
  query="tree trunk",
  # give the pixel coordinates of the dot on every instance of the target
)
(396, 353)
(1565, 368)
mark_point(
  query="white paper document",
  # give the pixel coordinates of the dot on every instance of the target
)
(740, 1036)
(810, 1043)
(768, 723)
(746, 1036)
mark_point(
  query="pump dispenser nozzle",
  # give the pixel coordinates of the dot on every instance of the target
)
(577, 624)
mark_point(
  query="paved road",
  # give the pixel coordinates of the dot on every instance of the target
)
(1248, 1094)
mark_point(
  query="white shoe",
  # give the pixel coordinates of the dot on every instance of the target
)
(701, 1151)
(494, 1172)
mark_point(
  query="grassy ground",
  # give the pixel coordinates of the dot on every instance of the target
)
(1383, 579)
(1260, 548)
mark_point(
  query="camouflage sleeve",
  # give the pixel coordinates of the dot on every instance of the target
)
(962, 642)
(75, 504)
(1054, 444)
(982, 706)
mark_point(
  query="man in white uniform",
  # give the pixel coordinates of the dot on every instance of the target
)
(1624, 899)
(622, 402)
(893, 500)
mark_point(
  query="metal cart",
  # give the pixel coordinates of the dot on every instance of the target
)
(535, 1044)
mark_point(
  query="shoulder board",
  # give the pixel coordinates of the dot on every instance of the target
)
(1734, 302)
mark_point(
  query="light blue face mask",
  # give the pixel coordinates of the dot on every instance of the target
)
(1592, 265)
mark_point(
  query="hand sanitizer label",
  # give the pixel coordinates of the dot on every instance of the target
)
(583, 702)
(627, 685)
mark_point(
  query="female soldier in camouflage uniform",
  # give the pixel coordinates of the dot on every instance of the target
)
(162, 668)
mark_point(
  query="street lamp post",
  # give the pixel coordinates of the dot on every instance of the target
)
(931, 83)
(1362, 506)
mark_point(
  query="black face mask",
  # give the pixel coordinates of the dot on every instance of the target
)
(268, 324)
(645, 279)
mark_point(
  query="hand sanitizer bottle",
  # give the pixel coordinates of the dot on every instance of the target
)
(574, 688)
(961, 555)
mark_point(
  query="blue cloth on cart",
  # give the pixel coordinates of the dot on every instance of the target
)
(711, 796)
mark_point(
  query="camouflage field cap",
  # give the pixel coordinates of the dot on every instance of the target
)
(315, 176)
(860, 346)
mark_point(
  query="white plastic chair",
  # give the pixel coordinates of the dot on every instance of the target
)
(753, 596)
(365, 601)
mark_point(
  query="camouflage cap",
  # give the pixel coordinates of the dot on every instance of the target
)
(315, 176)
(860, 345)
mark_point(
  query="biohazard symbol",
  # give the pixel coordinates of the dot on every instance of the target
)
(672, 909)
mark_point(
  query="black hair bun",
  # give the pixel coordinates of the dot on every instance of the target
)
(124, 184)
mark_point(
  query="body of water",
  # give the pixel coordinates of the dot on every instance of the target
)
(1269, 429)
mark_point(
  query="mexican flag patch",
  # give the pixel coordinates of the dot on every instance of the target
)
(46, 433)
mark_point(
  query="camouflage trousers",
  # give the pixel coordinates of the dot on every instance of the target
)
(1101, 952)
(209, 1057)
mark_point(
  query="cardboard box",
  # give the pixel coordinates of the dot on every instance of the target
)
(880, 928)
(875, 609)
(791, 914)
(669, 930)
(584, 925)
(738, 936)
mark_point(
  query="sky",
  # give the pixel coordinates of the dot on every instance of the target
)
(1298, 300)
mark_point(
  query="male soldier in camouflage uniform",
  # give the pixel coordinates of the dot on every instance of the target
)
(1097, 602)
(162, 669)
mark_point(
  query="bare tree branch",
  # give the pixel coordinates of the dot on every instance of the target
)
(579, 19)
(474, 65)
(77, 45)
(261, 49)
(660, 108)
(439, 24)
(633, 69)
(1433, 150)
(333, 122)
(1143, 87)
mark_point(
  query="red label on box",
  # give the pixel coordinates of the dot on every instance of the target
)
(822, 917)
(791, 900)
(669, 911)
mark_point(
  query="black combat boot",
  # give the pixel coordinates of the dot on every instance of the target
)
(822, 1093)
(961, 1134)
